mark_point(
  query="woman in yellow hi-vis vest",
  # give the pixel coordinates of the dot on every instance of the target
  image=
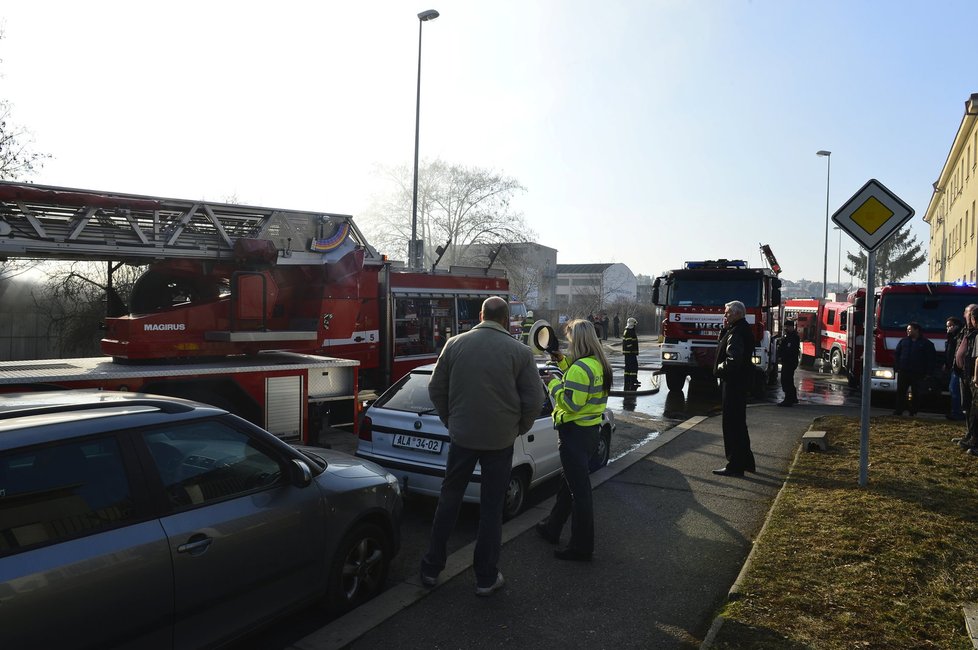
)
(579, 399)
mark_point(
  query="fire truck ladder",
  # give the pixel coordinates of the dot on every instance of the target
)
(39, 221)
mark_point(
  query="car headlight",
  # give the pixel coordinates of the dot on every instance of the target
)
(670, 356)
(756, 360)
(393, 482)
(883, 373)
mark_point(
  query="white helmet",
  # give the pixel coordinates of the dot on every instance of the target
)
(530, 314)
(631, 322)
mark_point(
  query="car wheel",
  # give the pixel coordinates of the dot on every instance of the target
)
(603, 452)
(516, 493)
(359, 568)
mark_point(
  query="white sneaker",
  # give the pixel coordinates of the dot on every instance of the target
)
(488, 591)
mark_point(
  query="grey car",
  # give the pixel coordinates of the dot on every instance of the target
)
(139, 521)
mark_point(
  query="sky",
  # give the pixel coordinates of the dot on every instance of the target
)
(646, 132)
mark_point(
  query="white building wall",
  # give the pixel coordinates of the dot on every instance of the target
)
(619, 284)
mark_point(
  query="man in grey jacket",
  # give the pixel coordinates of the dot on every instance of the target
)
(487, 391)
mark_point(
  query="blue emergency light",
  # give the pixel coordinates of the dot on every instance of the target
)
(717, 264)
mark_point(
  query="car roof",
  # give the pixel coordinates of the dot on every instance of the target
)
(45, 415)
(429, 367)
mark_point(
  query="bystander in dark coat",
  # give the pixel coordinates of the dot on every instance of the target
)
(735, 370)
(954, 332)
(913, 361)
(487, 391)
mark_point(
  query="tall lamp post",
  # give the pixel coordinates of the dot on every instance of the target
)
(838, 277)
(825, 265)
(414, 249)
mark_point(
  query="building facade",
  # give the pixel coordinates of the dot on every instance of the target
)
(531, 269)
(587, 288)
(953, 252)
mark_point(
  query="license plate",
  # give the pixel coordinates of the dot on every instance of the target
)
(421, 444)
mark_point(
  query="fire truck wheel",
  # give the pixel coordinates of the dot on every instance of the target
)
(836, 362)
(519, 483)
(675, 379)
(760, 384)
(359, 568)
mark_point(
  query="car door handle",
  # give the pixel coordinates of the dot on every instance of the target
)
(196, 545)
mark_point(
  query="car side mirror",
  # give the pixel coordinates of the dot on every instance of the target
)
(301, 474)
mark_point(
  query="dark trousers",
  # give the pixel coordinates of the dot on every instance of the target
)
(954, 389)
(968, 406)
(915, 382)
(631, 371)
(736, 440)
(788, 384)
(496, 466)
(577, 445)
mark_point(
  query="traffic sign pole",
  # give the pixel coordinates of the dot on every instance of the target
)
(868, 355)
(871, 216)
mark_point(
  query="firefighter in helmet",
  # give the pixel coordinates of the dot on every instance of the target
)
(527, 324)
(629, 347)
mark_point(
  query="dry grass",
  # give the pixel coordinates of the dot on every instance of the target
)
(886, 566)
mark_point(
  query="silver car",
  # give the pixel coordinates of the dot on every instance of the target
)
(401, 432)
(147, 522)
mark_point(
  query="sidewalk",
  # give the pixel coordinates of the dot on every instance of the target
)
(671, 540)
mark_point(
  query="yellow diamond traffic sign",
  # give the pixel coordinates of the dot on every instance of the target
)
(872, 215)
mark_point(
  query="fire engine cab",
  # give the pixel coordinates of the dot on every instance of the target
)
(692, 300)
(823, 328)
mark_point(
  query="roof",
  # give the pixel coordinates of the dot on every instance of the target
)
(593, 269)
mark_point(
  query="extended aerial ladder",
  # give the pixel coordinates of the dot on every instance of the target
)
(38, 221)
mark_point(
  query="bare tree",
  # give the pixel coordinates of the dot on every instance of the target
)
(74, 297)
(457, 205)
(17, 159)
(522, 271)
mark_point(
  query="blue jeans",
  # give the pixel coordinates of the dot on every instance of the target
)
(497, 464)
(954, 387)
(577, 445)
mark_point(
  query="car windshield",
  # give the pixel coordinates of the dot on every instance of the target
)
(715, 290)
(408, 394)
(931, 311)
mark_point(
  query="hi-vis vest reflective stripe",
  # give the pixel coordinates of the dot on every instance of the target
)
(580, 397)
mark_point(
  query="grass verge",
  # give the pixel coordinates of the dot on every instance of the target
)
(886, 566)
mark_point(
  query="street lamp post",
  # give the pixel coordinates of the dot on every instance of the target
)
(825, 264)
(838, 277)
(414, 250)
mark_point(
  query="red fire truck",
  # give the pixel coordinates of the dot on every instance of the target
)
(229, 289)
(928, 303)
(693, 298)
(823, 327)
(899, 303)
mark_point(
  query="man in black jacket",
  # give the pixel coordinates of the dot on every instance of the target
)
(734, 368)
(954, 331)
(788, 355)
(913, 359)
